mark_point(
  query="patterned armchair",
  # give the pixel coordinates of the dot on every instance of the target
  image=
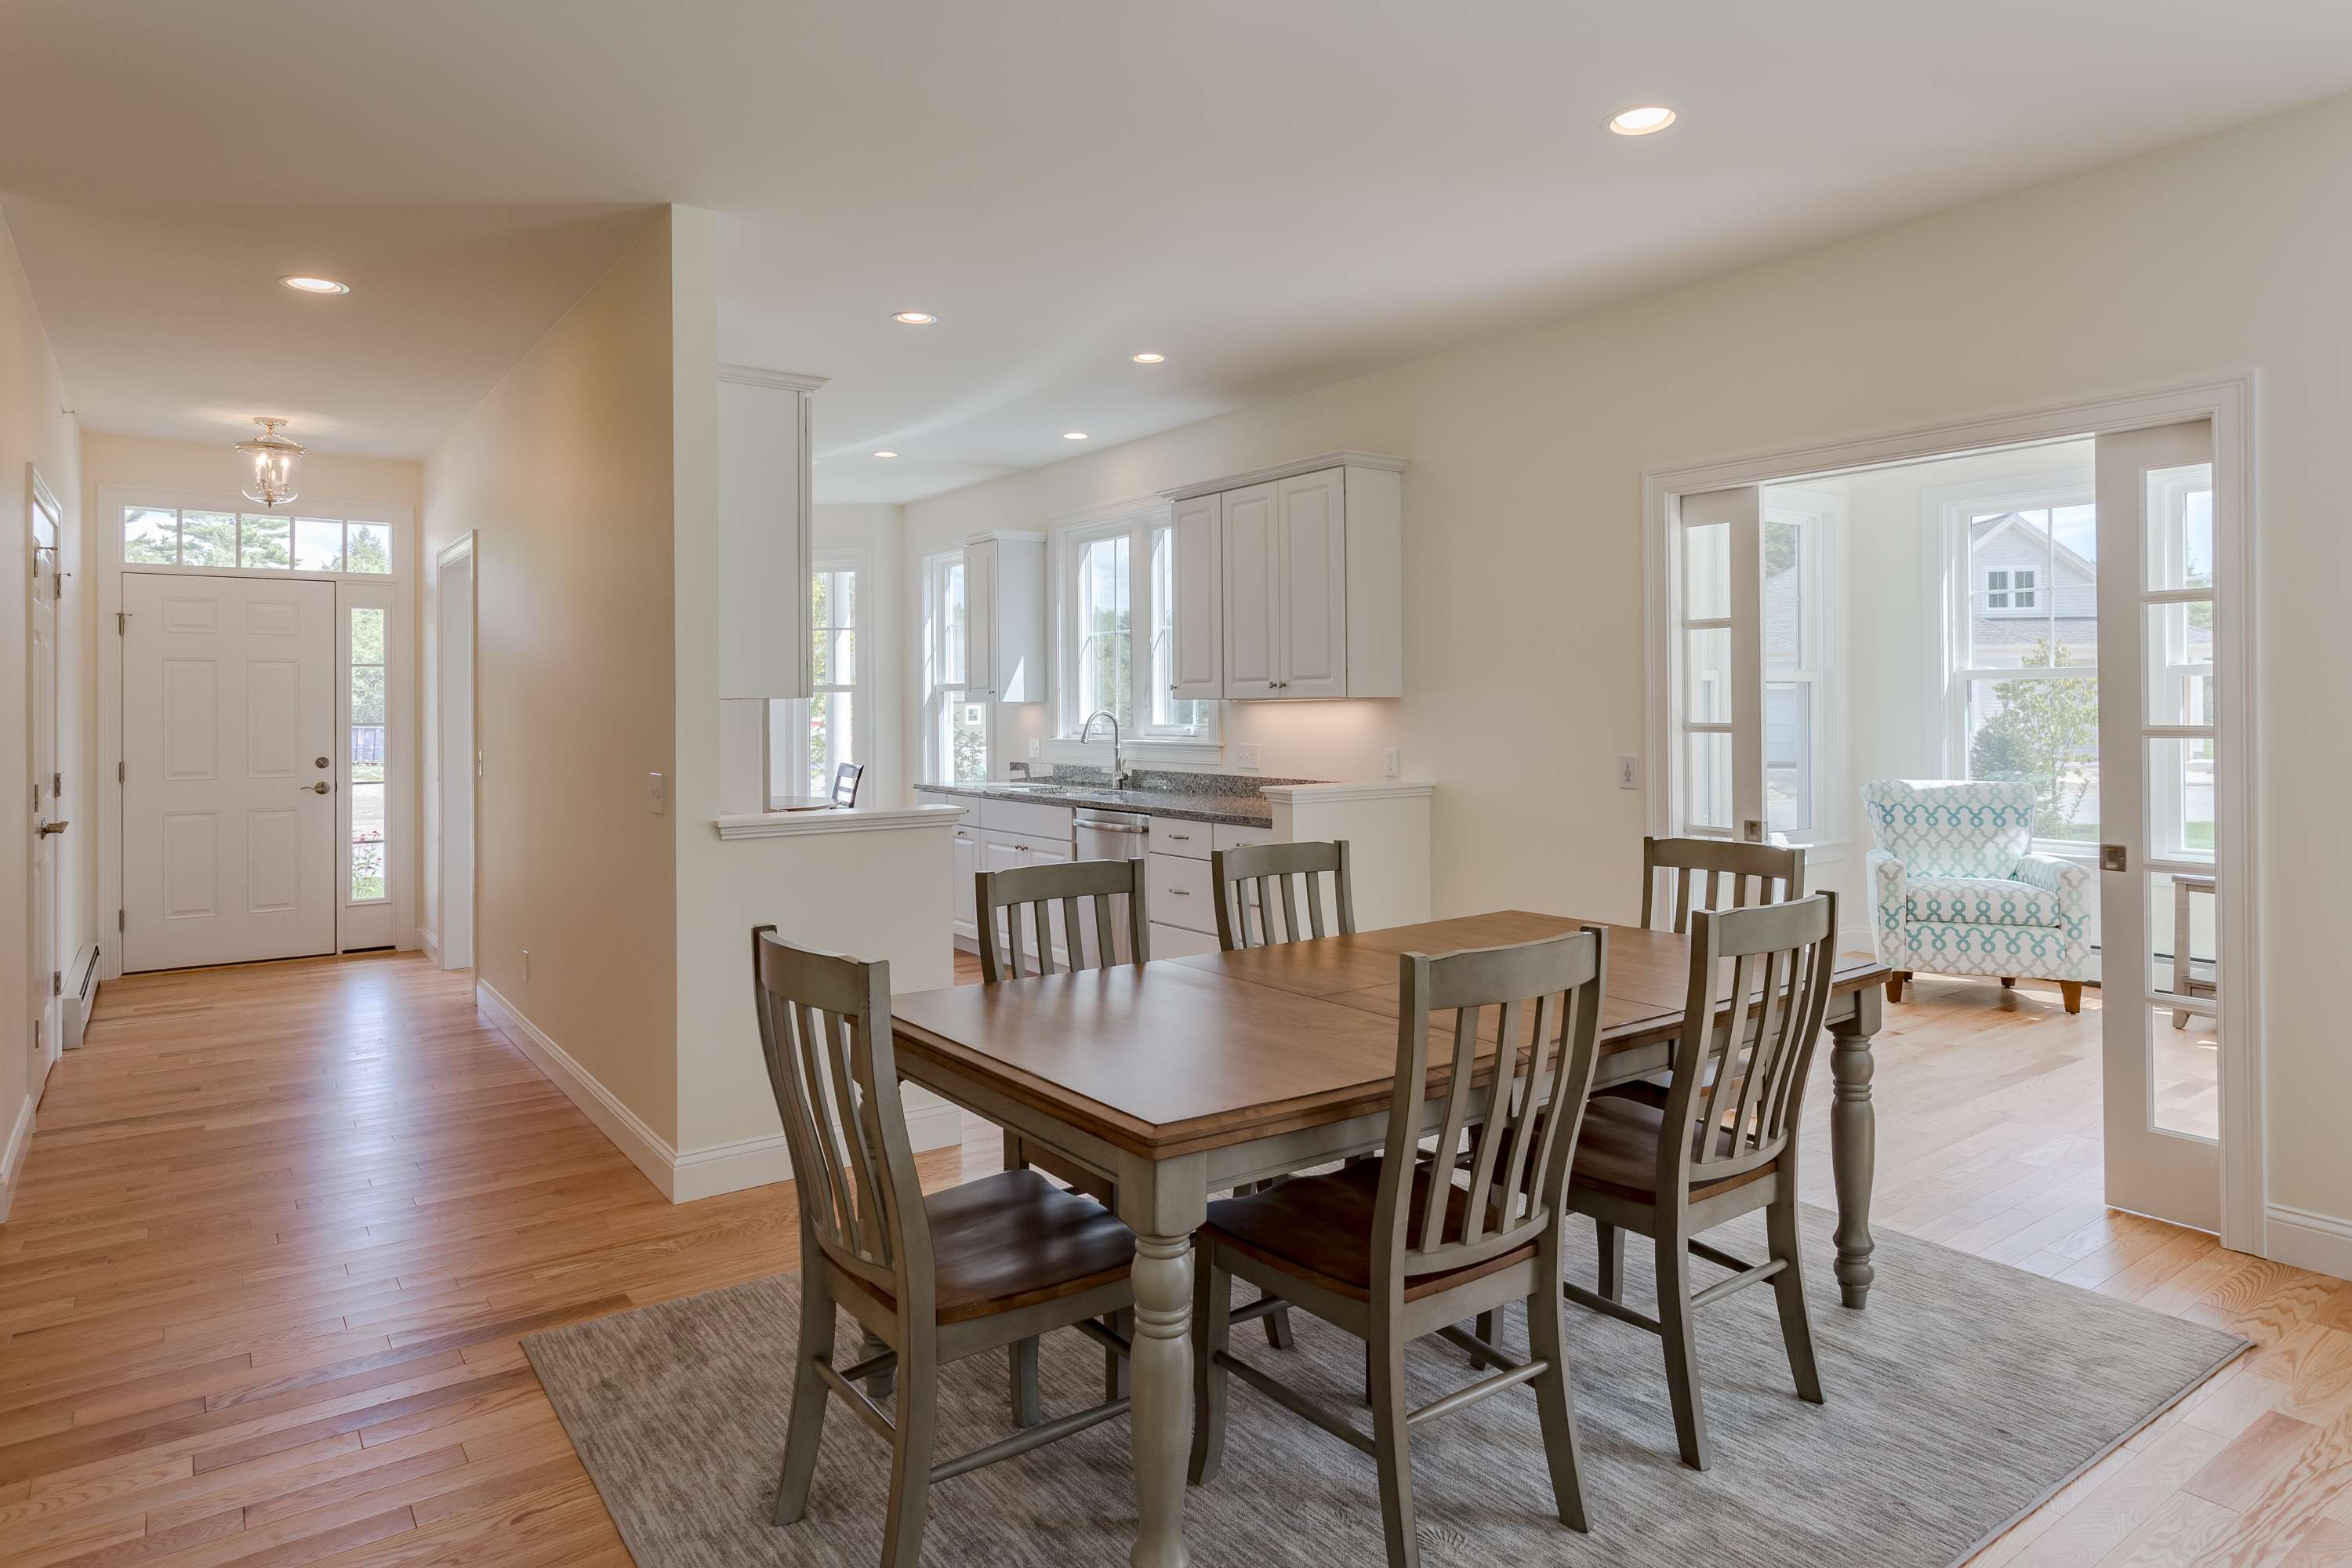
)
(1958, 890)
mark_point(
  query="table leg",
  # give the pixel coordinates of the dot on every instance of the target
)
(1162, 1203)
(1854, 1143)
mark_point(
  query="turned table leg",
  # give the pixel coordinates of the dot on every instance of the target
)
(1162, 1203)
(1854, 1143)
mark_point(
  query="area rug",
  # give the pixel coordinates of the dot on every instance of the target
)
(1965, 1395)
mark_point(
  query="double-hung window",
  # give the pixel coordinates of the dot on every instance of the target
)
(808, 741)
(1118, 596)
(955, 726)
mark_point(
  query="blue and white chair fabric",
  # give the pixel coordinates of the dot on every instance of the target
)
(1959, 889)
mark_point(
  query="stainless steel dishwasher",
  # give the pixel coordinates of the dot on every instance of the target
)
(1096, 834)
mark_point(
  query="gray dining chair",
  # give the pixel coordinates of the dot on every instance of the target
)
(1734, 874)
(845, 780)
(933, 1280)
(1252, 880)
(1106, 898)
(1396, 1248)
(1720, 1143)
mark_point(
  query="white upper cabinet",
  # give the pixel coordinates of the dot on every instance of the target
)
(1004, 617)
(763, 531)
(1197, 624)
(1309, 563)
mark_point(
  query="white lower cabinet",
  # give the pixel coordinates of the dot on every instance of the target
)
(966, 861)
(1181, 894)
(1175, 942)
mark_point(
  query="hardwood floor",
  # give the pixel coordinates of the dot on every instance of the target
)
(283, 1228)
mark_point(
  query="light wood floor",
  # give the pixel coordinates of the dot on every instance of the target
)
(283, 1226)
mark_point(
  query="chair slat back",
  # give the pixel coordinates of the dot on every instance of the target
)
(845, 780)
(824, 1030)
(1740, 1065)
(1718, 874)
(1251, 881)
(1521, 1124)
(1089, 936)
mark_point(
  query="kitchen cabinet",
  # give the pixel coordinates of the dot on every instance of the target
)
(1004, 617)
(763, 533)
(1177, 942)
(1299, 586)
(967, 862)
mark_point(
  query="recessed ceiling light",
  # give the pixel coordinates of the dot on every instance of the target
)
(1073, 435)
(886, 454)
(1642, 121)
(316, 285)
(1148, 359)
(914, 318)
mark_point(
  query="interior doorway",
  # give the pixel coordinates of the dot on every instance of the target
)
(1935, 655)
(453, 630)
(44, 592)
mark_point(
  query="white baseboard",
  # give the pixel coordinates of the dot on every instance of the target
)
(682, 1177)
(12, 1158)
(429, 944)
(2319, 1242)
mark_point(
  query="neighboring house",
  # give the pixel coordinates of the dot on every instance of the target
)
(2027, 588)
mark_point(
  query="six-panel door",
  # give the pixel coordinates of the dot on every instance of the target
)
(228, 712)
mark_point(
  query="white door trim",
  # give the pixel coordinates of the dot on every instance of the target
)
(2229, 403)
(40, 988)
(462, 548)
(107, 565)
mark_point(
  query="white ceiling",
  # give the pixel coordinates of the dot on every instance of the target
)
(1274, 195)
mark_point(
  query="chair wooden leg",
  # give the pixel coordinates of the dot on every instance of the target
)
(2009, 982)
(1278, 1331)
(1612, 1260)
(1789, 1287)
(1676, 1325)
(1895, 980)
(1122, 1324)
(1489, 1328)
(2072, 990)
(878, 1387)
(809, 1389)
(910, 1451)
(1027, 1409)
(1556, 1403)
(1212, 1306)
(1393, 1448)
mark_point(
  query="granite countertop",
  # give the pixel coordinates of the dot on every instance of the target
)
(1238, 808)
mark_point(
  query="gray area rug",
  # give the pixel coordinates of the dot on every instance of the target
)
(1966, 1394)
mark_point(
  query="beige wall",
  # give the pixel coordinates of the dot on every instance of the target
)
(565, 473)
(1523, 519)
(37, 430)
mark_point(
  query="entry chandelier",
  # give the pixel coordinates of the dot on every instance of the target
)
(273, 464)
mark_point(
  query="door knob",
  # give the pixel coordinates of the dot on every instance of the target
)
(51, 829)
(321, 787)
(321, 761)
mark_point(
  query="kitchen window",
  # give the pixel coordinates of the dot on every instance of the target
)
(1116, 627)
(955, 728)
(808, 741)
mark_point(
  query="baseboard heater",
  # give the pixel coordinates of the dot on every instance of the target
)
(79, 994)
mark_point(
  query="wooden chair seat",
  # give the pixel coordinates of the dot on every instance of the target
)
(1011, 1240)
(1320, 1229)
(1618, 1153)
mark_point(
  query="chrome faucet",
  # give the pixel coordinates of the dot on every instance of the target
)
(1118, 768)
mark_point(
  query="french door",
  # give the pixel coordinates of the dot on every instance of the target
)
(2162, 800)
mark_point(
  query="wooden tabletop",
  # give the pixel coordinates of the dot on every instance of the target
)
(1167, 1057)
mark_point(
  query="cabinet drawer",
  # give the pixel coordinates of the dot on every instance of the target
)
(1172, 835)
(1175, 942)
(1179, 893)
(1222, 836)
(1030, 819)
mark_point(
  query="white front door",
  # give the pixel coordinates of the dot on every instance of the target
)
(228, 809)
(46, 790)
(2161, 800)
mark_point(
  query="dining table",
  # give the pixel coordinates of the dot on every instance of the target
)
(1185, 1077)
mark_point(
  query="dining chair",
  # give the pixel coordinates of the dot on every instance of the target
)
(1089, 895)
(1396, 1248)
(933, 1280)
(1720, 1142)
(845, 780)
(1757, 873)
(1250, 879)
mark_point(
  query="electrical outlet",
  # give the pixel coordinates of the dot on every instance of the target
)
(526, 964)
(1629, 773)
(1245, 756)
(1390, 762)
(657, 795)
(1036, 749)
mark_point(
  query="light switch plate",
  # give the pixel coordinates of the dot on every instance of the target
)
(657, 795)
(1036, 748)
(1629, 773)
(1390, 763)
(1245, 756)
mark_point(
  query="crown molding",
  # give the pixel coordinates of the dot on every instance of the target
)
(785, 379)
(1345, 457)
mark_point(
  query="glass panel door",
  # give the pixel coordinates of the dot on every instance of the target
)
(2160, 801)
(1720, 716)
